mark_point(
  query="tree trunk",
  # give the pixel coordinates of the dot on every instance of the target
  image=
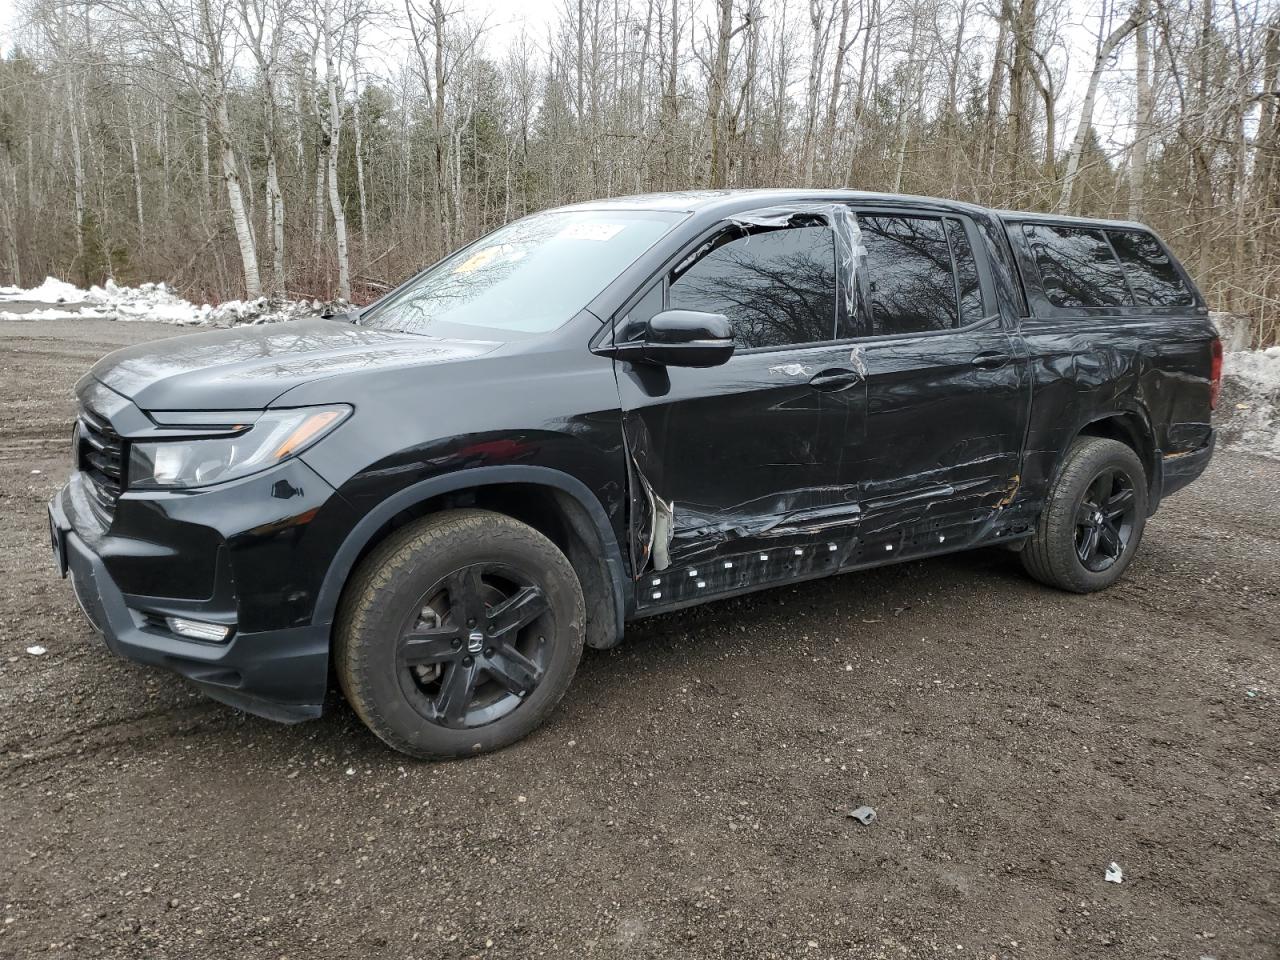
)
(205, 199)
(322, 214)
(333, 134)
(833, 100)
(988, 153)
(235, 200)
(1024, 38)
(275, 220)
(438, 130)
(9, 207)
(77, 169)
(355, 123)
(718, 173)
(1142, 121)
(820, 22)
(1105, 50)
(216, 103)
(137, 174)
(670, 102)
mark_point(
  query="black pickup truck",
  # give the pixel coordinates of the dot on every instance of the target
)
(616, 409)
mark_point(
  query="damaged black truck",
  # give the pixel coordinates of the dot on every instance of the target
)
(617, 409)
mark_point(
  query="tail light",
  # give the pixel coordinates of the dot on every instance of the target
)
(1215, 374)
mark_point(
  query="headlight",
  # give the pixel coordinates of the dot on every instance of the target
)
(277, 435)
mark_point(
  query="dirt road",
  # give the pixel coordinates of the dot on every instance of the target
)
(690, 798)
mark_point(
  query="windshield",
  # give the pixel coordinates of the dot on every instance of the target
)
(530, 276)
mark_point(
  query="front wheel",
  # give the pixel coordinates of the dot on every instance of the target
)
(459, 634)
(1093, 520)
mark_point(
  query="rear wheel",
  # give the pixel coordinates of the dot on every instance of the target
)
(459, 634)
(1092, 523)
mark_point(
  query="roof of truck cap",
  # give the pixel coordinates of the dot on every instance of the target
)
(691, 201)
(1024, 216)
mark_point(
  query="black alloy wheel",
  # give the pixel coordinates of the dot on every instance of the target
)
(475, 645)
(1092, 520)
(1105, 519)
(459, 633)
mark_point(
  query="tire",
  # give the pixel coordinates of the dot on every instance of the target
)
(1085, 537)
(459, 634)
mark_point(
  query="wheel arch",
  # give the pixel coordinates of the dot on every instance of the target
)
(1133, 429)
(556, 504)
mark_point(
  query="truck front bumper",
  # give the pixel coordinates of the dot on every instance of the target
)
(280, 674)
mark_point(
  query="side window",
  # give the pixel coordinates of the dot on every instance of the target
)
(777, 287)
(1077, 267)
(967, 282)
(1152, 275)
(911, 284)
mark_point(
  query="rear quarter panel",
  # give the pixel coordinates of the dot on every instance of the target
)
(1152, 365)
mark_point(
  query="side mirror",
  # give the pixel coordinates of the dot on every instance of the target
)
(681, 338)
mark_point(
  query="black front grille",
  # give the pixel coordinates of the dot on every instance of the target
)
(100, 457)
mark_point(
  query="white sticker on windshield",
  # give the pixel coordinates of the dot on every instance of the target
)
(590, 231)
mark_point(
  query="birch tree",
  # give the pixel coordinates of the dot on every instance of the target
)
(1106, 48)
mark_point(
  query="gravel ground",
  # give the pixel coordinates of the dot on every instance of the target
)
(690, 797)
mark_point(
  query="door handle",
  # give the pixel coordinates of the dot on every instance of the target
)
(990, 361)
(836, 378)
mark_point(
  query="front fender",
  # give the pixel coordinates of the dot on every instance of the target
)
(364, 531)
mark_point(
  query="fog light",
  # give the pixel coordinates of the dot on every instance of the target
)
(196, 630)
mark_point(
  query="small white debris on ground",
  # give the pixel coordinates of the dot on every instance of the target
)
(1114, 873)
(155, 302)
(864, 815)
(37, 650)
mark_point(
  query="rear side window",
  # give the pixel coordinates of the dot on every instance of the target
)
(911, 283)
(1077, 267)
(777, 287)
(1154, 279)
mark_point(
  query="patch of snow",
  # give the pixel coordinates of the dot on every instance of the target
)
(154, 303)
(52, 290)
(1249, 407)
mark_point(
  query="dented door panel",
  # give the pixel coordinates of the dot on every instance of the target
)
(946, 418)
(738, 457)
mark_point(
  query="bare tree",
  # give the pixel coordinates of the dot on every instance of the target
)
(1106, 48)
(113, 111)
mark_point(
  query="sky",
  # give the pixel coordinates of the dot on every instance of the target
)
(8, 15)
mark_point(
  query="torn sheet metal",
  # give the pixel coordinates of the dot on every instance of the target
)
(699, 529)
(850, 250)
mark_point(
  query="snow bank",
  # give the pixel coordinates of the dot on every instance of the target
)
(1250, 405)
(52, 290)
(154, 302)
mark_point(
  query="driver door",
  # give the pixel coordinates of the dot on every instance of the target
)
(735, 469)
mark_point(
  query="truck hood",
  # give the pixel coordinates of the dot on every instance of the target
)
(249, 367)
